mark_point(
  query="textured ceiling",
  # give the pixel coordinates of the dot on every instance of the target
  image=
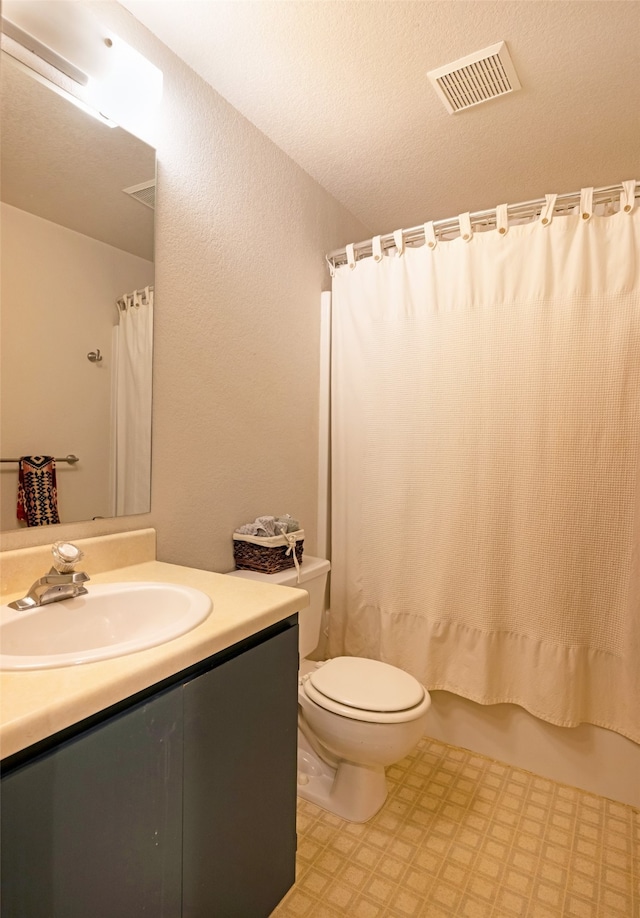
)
(342, 88)
(62, 165)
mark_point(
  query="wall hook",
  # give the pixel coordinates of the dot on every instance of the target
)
(94, 356)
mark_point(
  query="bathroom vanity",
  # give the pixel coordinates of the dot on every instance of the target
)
(174, 793)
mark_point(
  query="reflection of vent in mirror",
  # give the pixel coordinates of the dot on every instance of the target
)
(145, 193)
(476, 78)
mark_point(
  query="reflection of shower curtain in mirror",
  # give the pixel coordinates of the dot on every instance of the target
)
(133, 346)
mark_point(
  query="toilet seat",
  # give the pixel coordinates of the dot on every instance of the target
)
(366, 690)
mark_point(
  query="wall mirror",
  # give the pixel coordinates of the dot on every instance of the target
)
(77, 302)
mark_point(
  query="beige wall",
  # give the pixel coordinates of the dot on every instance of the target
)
(58, 290)
(241, 233)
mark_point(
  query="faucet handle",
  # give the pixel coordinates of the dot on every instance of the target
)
(65, 556)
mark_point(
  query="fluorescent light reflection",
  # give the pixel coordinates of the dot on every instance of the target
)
(79, 103)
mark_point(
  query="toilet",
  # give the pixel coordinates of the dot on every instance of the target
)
(355, 716)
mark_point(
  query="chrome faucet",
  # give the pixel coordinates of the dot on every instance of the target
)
(62, 581)
(53, 587)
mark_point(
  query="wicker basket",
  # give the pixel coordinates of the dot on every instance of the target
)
(267, 555)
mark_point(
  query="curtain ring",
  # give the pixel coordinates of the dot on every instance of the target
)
(502, 219)
(466, 232)
(351, 255)
(586, 203)
(430, 235)
(398, 238)
(376, 248)
(332, 270)
(546, 214)
(628, 196)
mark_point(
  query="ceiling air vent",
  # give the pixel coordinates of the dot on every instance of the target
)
(145, 193)
(476, 78)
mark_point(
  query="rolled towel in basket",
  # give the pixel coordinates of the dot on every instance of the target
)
(267, 526)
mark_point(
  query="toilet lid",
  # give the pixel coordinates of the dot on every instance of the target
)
(367, 684)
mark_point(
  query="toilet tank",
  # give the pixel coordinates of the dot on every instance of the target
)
(313, 579)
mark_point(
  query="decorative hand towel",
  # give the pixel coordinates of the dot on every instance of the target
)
(37, 491)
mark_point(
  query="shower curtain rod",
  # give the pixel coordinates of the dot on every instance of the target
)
(485, 218)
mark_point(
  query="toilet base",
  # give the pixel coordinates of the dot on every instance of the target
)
(353, 792)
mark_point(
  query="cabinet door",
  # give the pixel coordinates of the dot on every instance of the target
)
(94, 827)
(240, 738)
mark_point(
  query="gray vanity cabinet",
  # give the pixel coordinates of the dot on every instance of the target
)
(181, 805)
(93, 827)
(240, 761)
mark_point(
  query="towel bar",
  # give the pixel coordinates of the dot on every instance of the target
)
(70, 459)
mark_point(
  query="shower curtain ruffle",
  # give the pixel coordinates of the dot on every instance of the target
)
(486, 466)
(562, 684)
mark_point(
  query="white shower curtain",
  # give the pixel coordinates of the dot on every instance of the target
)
(486, 465)
(134, 351)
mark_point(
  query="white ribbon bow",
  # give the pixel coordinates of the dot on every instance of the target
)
(291, 540)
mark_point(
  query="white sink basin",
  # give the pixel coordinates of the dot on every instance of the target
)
(111, 620)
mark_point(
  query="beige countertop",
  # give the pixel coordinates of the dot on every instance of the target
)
(36, 704)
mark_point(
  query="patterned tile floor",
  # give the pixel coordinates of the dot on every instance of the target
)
(463, 836)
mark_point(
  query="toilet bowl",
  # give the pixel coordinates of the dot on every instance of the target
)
(355, 716)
